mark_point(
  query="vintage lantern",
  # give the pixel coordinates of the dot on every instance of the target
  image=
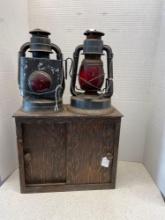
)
(40, 79)
(95, 88)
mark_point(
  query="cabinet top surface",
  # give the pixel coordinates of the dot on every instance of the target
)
(113, 113)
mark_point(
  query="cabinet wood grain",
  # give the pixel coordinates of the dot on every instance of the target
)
(64, 151)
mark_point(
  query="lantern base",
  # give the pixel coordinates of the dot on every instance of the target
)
(90, 104)
(41, 104)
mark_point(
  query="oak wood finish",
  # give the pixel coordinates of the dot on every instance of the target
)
(63, 151)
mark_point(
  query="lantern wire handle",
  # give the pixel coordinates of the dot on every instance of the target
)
(66, 67)
(59, 87)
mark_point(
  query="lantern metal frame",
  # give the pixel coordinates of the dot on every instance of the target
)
(41, 47)
(92, 45)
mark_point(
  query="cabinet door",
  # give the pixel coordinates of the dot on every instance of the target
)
(44, 152)
(89, 141)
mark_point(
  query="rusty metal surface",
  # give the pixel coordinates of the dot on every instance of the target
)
(40, 46)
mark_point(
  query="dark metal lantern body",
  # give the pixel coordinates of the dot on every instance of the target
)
(40, 79)
(91, 76)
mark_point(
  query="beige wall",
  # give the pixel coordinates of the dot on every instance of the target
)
(13, 32)
(154, 155)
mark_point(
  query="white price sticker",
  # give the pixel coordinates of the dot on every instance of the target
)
(105, 162)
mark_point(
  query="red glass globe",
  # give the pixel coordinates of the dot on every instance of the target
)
(39, 81)
(91, 77)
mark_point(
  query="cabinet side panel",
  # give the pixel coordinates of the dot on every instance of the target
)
(116, 147)
(19, 132)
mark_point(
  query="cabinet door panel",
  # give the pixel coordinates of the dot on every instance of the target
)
(44, 152)
(89, 141)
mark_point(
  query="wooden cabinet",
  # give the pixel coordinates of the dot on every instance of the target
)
(64, 151)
